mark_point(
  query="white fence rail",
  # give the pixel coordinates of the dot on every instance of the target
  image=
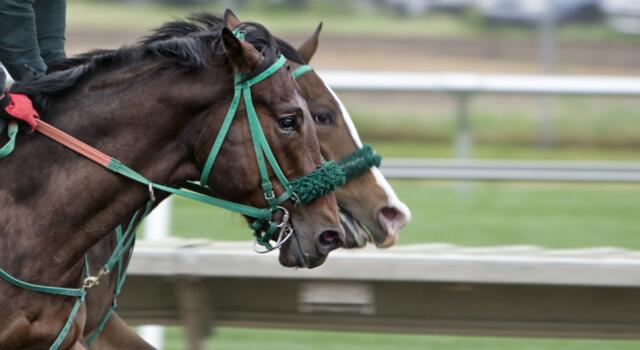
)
(511, 170)
(473, 83)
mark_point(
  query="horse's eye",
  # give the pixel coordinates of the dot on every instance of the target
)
(288, 123)
(324, 118)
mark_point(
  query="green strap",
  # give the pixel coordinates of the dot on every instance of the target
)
(65, 329)
(258, 135)
(217, 144)
(304, 69)
(239, 33)
(101, 325)
(257, 213)
(279, 63)
(70, 292)
(12, 132)
(124, 242)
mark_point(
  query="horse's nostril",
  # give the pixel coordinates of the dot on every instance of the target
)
(392, 220)
(390, 213)
(330, 238)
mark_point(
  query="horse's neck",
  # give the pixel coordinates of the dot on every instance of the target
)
(55, 204)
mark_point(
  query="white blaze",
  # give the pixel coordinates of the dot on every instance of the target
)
(394, 201)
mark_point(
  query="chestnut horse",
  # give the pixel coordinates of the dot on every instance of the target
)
(370, 210)
(157, 108)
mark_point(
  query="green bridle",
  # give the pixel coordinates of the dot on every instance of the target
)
(326, 178)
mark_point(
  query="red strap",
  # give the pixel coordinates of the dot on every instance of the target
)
(21, 108)
(71, 142)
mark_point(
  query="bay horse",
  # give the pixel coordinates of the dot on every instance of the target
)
(156, 108)
(370, 209)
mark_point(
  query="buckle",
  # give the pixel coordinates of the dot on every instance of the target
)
(269, 196)
(93, 281)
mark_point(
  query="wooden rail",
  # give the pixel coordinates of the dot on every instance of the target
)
(425, 289)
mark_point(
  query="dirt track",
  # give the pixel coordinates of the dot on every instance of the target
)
(484, 55)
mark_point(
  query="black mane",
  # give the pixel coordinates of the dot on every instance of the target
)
(188, 45)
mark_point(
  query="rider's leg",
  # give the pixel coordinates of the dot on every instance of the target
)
(3, 79)
(19, 50)
(4, 100)
(50, 24)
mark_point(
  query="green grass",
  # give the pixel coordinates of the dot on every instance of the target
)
(550, 215)
(252, 339)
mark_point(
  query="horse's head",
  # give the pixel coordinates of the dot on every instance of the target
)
(370, 209)
(290, 133)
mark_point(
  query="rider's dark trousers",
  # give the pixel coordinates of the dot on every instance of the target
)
(31, 35)
(2, 81)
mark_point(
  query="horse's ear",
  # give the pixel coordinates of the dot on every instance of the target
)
(231, 21)
(242, 55)
(309, 47)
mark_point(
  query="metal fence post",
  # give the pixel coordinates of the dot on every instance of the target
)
(463, 144)
(157, 226)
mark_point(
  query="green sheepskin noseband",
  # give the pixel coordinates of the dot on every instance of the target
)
(326, 178)
(360, 161)
(330, 175)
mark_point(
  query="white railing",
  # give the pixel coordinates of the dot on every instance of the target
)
(511, 170)
(474, 83)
